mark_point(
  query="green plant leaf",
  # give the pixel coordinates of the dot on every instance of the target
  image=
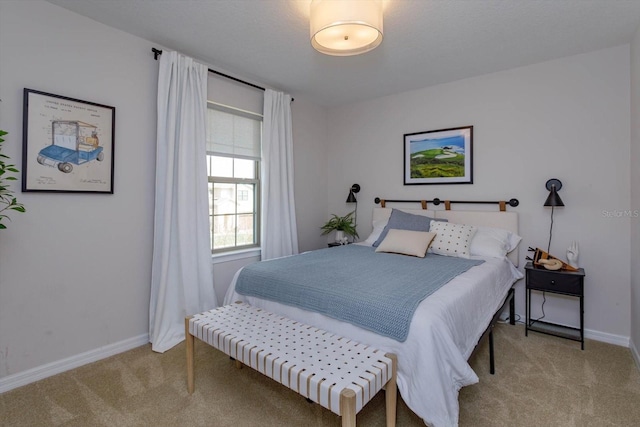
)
(7, 199)
(343, 223)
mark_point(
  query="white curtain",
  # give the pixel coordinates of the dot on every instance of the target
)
(181, 278)
(279, 236)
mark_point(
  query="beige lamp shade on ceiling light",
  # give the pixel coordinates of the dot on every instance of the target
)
(346, 27)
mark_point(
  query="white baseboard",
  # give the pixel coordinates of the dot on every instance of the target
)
(608, 338)
(605, 337)
(38, 373)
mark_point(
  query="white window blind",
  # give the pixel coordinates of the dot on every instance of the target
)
(234, 134)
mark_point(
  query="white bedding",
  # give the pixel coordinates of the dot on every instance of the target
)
(432, 362)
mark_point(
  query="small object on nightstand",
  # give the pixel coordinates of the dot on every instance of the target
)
(334, 244)
(561, 282)
(548, 261)
(572, 254)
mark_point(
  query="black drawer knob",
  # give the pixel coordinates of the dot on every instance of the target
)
(553, 282)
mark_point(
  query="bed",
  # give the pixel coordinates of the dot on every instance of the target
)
(446, 325)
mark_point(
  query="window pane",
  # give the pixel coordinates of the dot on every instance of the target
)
(244, 168)
(224, 199)
(221, 166)
(224, 230)
(246, 198)
(245, 230)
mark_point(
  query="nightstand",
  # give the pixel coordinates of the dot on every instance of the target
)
(561, 282)
(334, 244)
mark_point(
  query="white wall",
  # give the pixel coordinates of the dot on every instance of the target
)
(310, 171)
(565, 119)
(75, 270)
(635, 196)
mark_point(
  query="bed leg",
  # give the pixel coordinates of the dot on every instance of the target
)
(512, 308)
(492, 368)
(190, 356)
(348, 407)
(391, 392)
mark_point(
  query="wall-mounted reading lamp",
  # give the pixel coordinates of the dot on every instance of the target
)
(355, 188)
(553, 200)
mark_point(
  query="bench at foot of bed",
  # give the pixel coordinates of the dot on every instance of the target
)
(339, 374)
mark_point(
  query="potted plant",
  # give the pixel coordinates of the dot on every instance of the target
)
(342, 225)
(7, 199)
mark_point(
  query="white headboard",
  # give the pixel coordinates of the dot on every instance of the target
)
(505, 220)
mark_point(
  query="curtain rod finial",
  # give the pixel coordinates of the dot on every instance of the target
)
(156, 53)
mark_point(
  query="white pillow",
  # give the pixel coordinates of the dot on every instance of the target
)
(451, 239)
(378, 226)
(493, 242)
(406, 242)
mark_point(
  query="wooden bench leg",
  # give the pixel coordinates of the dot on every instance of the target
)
(391, 392)
(348, 407)
(190, 356)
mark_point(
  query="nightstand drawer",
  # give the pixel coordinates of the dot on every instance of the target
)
(547, 281)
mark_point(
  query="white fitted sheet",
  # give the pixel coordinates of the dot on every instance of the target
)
(432, 362)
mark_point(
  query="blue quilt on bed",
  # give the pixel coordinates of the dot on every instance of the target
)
(376, 291)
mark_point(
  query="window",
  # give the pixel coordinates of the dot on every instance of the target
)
(233, 165)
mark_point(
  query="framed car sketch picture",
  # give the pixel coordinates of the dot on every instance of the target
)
(68, 144)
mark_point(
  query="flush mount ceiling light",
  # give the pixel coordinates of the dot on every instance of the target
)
(346, 27)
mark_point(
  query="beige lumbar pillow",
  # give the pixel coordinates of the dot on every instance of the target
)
(406, 242)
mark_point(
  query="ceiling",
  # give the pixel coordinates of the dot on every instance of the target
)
(426, 42)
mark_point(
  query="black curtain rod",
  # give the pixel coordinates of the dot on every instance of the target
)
(158, 52)
(436, 201)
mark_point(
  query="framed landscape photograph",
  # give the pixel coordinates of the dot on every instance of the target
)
(443, 156)
(67, 144)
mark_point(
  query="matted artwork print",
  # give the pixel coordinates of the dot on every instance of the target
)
(443, 156)
(68, 144)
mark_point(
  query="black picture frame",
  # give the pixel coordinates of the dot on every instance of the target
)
(68, 144)
(442, 156)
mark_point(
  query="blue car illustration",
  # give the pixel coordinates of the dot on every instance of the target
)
(73, 143)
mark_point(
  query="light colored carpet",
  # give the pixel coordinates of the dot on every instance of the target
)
(539, 381)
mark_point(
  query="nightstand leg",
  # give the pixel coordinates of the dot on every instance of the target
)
(527, 293)
(582, 322)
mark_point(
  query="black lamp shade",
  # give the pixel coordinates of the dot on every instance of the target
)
(553, 185)
(355, 188)
(553, 199)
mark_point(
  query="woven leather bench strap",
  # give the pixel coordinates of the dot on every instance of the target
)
(339, 374)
